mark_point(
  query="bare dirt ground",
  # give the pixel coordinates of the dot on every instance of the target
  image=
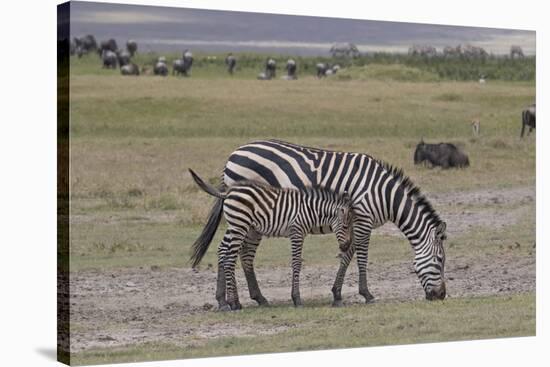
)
(137, 305)
(151, 304)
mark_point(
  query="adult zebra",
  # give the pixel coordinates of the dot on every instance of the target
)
(379, 193)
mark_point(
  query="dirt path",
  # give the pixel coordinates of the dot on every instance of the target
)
(143, 305)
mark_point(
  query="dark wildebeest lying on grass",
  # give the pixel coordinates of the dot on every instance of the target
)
(446, 155)
(528, 117)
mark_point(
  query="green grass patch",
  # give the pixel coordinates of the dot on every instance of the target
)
(391, 72)
(322, 327)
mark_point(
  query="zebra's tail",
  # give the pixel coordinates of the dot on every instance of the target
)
(199, 248)
(206, 187)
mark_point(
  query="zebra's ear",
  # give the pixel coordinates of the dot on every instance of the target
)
(422, 140)
(347, 198)
(440, 231)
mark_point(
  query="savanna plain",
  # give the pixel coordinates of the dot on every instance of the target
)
(135, 211)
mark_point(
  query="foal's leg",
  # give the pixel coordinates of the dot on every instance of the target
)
(297, 241)
(220, 285)
(248, 252)
(339, 281)
(229, 260)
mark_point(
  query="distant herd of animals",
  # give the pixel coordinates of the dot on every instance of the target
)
(466, 51)
(111, 57)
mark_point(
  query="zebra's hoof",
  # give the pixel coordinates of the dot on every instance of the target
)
(337, 303)
(261, 301)
(224, 308)
(298, 303)
(235, 306)
(370, 300)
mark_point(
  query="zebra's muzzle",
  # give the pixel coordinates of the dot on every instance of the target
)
(437, 293)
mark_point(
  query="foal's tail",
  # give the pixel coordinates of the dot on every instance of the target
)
(203, 242)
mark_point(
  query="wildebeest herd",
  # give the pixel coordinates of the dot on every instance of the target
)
(111, 57)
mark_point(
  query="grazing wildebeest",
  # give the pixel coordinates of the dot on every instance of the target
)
(129, 69)
(178, 67)
(528, 118)
(446, 155)
(109, 59)
(344, 50)
(109, 45)
(123, 57)
(322, 69)
(230, 62)
(270, 68)
(291, 70)
(187, 58)
(252, 208)
(160, 67)
(472, 52)
(131, 47)
(84, 45)
(422, 50)
(466, 51)
(516, 51)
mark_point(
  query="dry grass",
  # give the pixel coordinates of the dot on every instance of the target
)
(133, 203)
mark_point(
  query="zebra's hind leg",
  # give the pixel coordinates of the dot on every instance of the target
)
(345, 259)
(248, 252)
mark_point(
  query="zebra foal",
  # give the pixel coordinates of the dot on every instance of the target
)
(252, 210)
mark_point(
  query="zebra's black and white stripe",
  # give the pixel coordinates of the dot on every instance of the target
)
(379, 192)
(253, 210)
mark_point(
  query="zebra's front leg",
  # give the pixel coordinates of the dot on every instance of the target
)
(345, 260)
(362, 248)
(248, 252)
(297, 241)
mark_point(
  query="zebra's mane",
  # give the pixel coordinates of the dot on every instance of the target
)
(412, 190)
